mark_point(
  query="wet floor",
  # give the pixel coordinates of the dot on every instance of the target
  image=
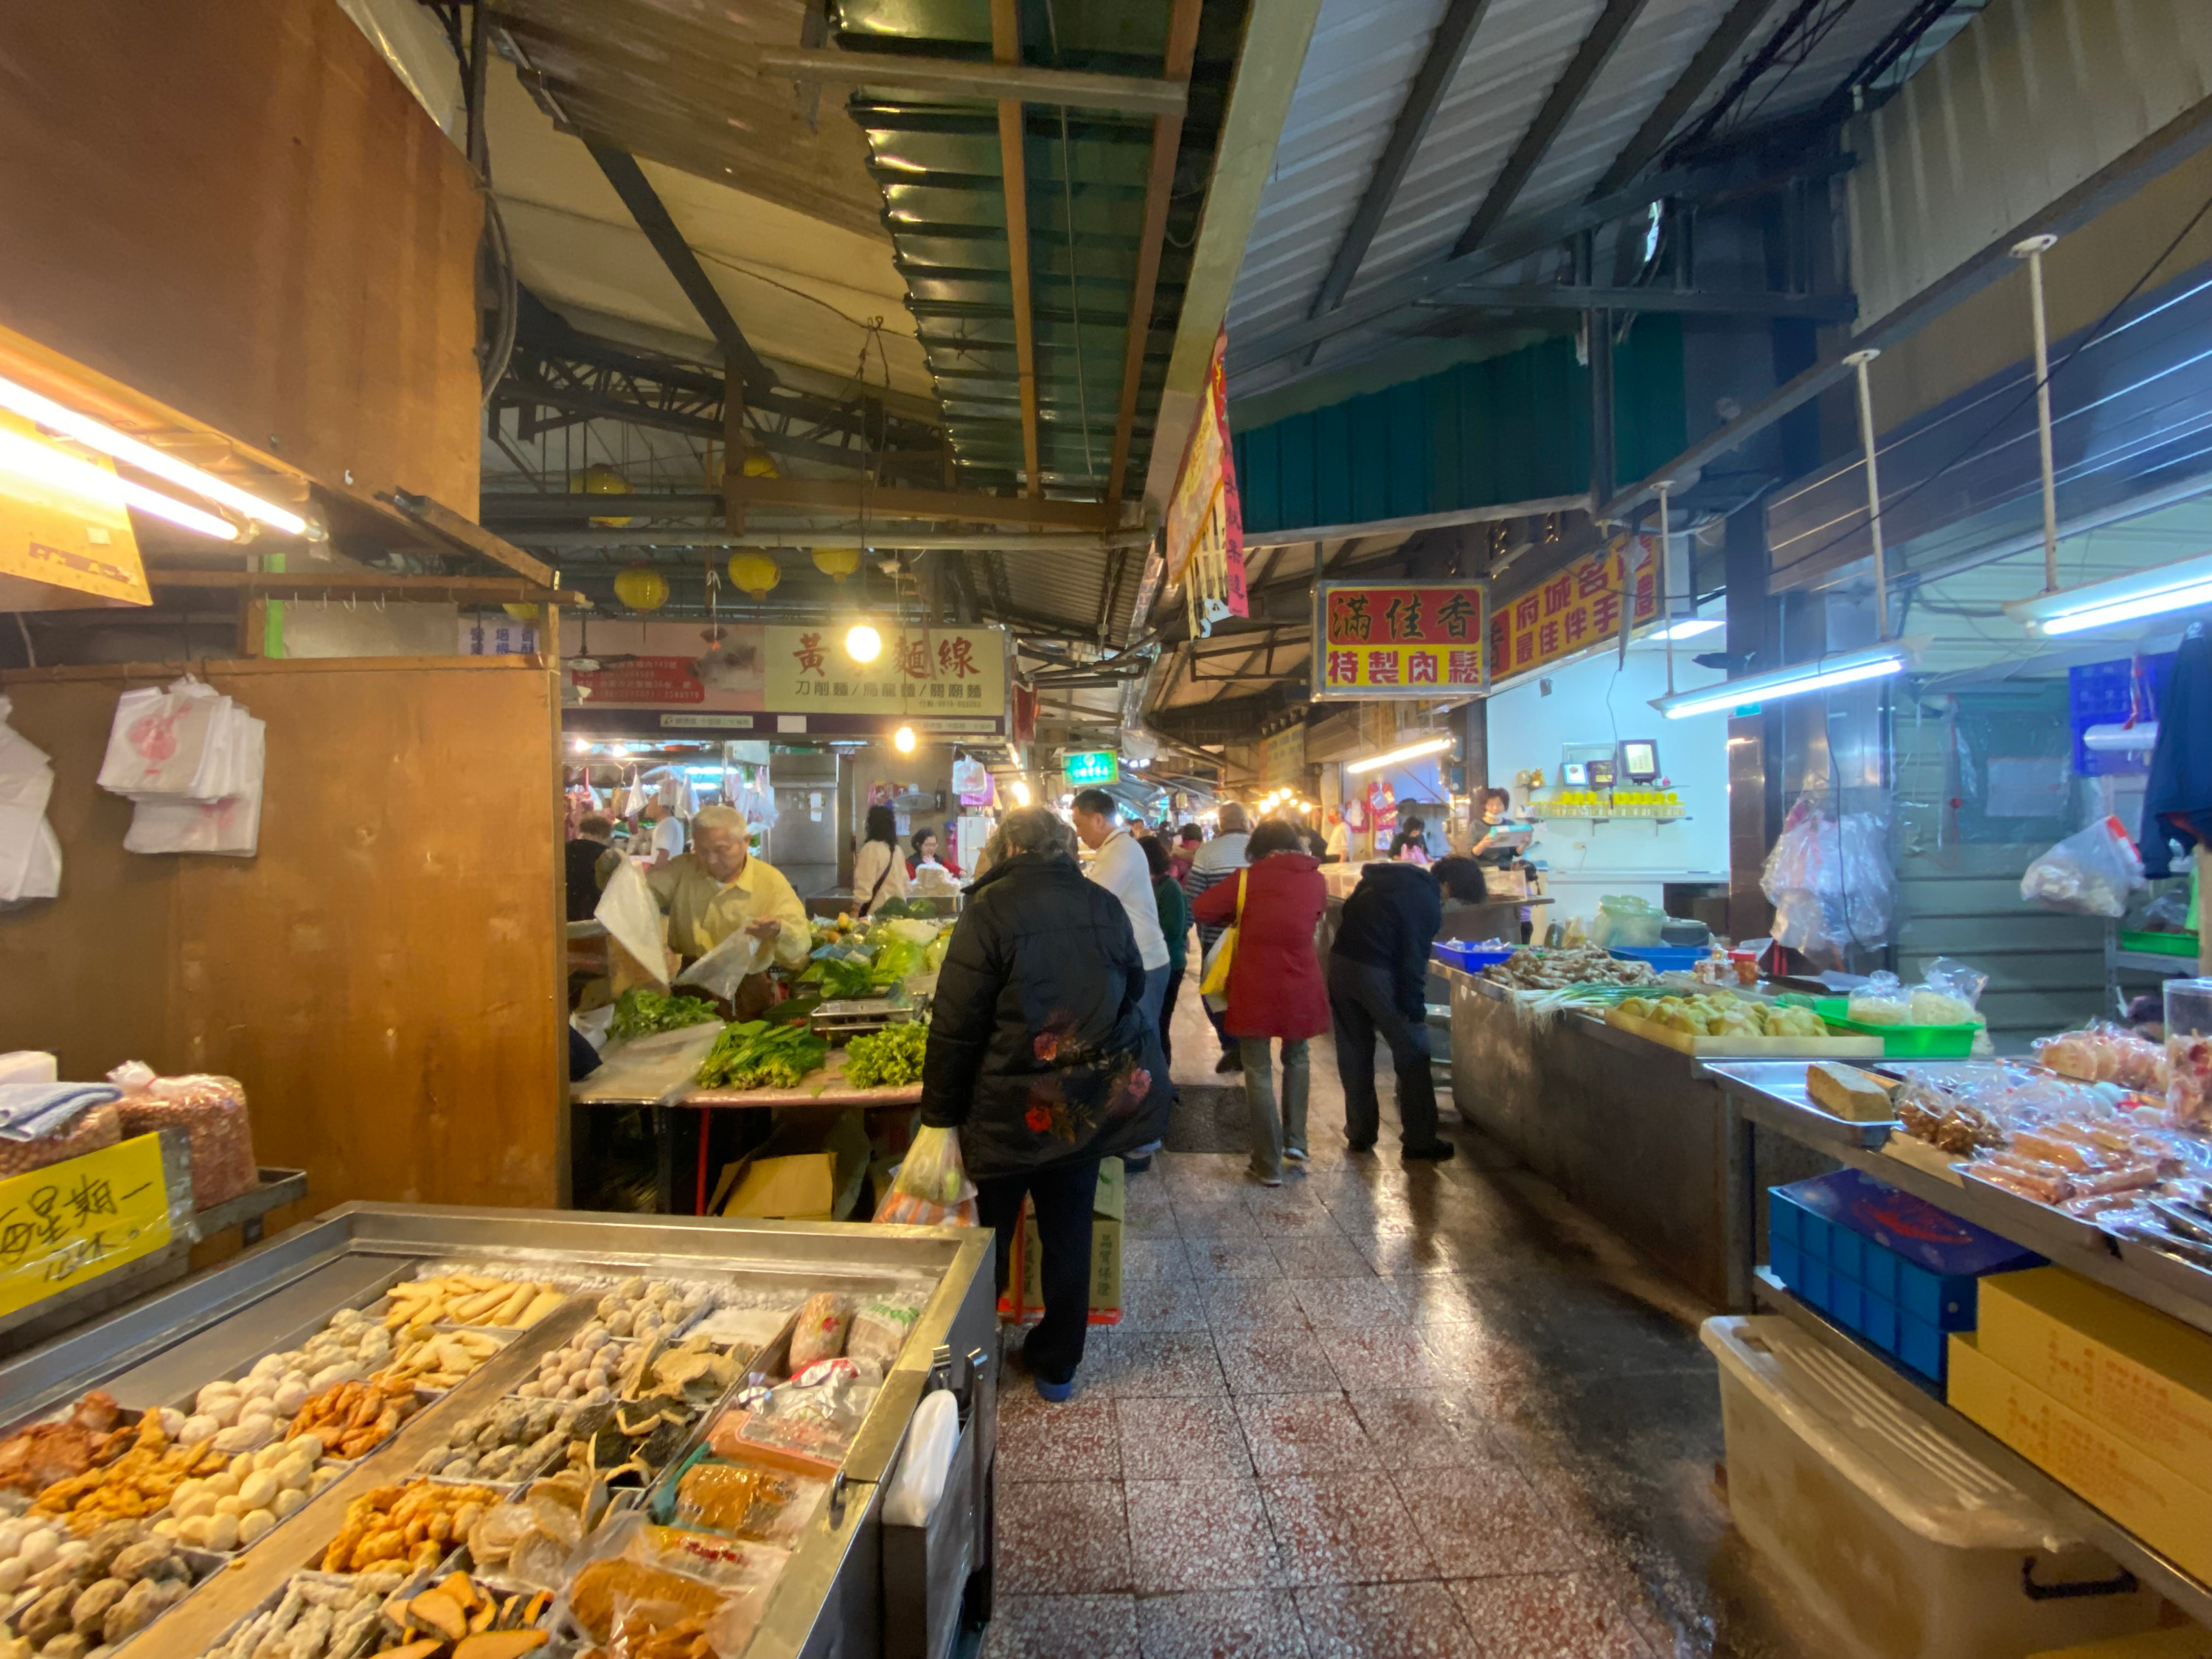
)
(1379, 1411)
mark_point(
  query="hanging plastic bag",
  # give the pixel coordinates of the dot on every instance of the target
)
(932, 1188)
(2090, 873)
(230, 825)
(1829, 882)
(158, 743)
(729, 964)
(1625, 919)
(1949, 993)
(931, 1440)
(631, 916)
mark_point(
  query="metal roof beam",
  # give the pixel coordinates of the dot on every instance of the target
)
(1446, 47)
(1159, 193)
(1013, 167)
(1567, 95)
(858, 500)
(940, 77)
(1719, 49)
(1565, 296)
(651, 213)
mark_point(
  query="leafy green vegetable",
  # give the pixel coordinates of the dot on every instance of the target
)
(756, 1054)
(645, 1010)
(844, 978)
(895, 958)
(890, 1057)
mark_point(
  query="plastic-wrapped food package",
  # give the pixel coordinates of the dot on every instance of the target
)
(1625, 919)
(210, 1110)
(806, 1425)
(648, 1590)
(747, 1500)
(2104, 1053)
(1882, 1000)
(2090, 873)
(880, 1328)
(2188, 1053)
(89, 1131)
(1949, 993)
(819, 1335)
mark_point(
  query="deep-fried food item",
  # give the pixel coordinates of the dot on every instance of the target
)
(45, 1453)
(406, 1526)
(350, 1418)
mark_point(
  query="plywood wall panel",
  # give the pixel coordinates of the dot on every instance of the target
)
(382, 977)
(235, 206)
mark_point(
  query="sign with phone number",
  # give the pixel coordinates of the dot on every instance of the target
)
(73, 1221)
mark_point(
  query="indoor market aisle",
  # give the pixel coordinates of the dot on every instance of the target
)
(1375, 1412)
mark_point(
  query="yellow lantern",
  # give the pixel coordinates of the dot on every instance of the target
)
(759, 464)
(521, 612)
(641, 587)
(837, 562)
(756, 573)
(601, 480)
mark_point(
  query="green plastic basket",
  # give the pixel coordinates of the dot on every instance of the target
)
(2160, 944)
(1901, 1042)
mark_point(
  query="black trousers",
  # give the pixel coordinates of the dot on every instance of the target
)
(1062, 1197)
(1363, 1005)
(1167, 1015)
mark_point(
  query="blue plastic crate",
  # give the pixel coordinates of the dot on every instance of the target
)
(1815, 1287)
(1467, 956)
(1847, 1254)
(1923, 1348)
(1663, 958)
(1782, 1223)
(1843, 1301)
(1787, 1264)
(1878, 1321)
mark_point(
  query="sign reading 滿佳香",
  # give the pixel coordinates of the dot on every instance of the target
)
(73, 1221)
(1572, 611)
(1399, 640)
(1092, 766)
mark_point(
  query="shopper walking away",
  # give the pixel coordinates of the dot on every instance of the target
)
(878, 871)
(1188, 841)
(1040, 1054)
(1378, 973)
(1221, 857)
(1275, 989)
(1174, 928)
(583, 856)
(1117, 864)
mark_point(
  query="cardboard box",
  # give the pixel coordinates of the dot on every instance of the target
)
(2142, 1374)
(1025, 1272)
(2142, 1494)
(2193, 1642)
(810, 1170)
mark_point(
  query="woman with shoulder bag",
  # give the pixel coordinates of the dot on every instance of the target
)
(878, 871)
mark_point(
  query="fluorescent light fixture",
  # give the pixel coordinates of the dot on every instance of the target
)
(98, 435)
(2123, 600)
(43, 464)
(1847, 669)
(1688, 628)
(1411, 751)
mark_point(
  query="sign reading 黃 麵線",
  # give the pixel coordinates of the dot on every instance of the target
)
(1398, 640)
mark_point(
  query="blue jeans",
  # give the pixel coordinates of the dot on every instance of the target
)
(1155, 991)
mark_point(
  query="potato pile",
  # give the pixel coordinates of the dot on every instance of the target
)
(439, 1359)
(469, 1299)
(349, 1348)
(1722, 1013)
(351, 1417)
(238, 1507)
(411, 1526)
(67, 1599)
(314, 1619)
(138, 1484)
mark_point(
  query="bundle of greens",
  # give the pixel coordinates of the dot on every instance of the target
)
(889, 1058)
(644, 1010)
(760, 1055)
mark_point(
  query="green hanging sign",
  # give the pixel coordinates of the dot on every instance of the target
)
(1092, 766)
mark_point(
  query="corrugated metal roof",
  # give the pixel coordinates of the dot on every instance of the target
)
(1365, 54)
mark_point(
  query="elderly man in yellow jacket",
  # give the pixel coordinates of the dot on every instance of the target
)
(719, 887)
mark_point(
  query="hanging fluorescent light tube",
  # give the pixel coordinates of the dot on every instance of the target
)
(98, 435)
(46, 466)
(1411, 751)
(2152, 592)
(1689, 627)
(1848, 669)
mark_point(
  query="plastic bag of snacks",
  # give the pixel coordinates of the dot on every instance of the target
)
(932, 1188)
(2090, 873)
(210, 1110)
(89, 1131)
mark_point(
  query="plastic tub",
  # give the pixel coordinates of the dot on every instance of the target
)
(1470, 958)
(1895, 1541)
(1901, 1041)
(1663, 958)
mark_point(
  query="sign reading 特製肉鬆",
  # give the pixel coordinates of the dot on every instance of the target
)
(1399, 640)
(74, 1220)
(1571, 612)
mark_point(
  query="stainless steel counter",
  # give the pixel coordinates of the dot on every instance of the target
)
(829, 1598)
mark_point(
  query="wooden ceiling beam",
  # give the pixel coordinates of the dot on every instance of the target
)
(1159, 192)
(1116, 94)
(1013, 165)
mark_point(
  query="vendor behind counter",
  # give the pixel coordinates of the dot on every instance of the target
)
(718, 887)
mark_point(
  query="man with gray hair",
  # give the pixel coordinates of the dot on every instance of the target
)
(1040, 1054)
(719, 887)
(1219, 858)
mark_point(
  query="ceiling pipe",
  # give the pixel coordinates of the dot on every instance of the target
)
(888, 540)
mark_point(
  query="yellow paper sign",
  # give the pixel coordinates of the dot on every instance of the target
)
(68, 526)
(74, 1220)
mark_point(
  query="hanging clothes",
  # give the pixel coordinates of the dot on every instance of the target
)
(2178, 797)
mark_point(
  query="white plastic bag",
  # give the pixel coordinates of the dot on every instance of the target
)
(931, 1440)
(229, 825)
(729, 964)
(2090, 873)
(1829, 882)
(632, 915)
(159, 742)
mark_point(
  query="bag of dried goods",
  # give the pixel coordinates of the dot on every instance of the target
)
(1882, 1000)
(87, 1132)
(2090, 873)
(880, 1327)
(761, 1505)
(210, 1110)
(820, 1333)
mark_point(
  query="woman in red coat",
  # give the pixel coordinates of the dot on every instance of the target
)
(1275, 988)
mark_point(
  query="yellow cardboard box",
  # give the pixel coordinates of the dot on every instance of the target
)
(1027, 1267)
(2142, 1494)
(2193, 1642)
(810, 1170)
(2143, 1375)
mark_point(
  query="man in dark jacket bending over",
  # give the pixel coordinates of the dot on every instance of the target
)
(1040, 1054)
(1378, 970)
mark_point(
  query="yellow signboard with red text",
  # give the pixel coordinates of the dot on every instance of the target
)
(1578, 608)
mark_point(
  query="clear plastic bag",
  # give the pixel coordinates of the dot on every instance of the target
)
(1830, 881)
(631, 916)
(1624, 919)
(210, 1110)
(1882, 1000)
(2090, 873)
(1949, 993)
(931, 1440)
(932, 1188)
(729, 964)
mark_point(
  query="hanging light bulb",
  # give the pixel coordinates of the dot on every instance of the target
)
(902, 741)
(1021, 793)
(862, 643)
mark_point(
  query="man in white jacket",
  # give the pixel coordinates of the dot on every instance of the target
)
(1119, 866)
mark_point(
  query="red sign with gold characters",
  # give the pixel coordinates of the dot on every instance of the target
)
(1573, 611)
(1405, 640)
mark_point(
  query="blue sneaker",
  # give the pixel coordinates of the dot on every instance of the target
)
(1054, 1393)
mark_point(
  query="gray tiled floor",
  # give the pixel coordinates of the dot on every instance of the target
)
(1382, 1410)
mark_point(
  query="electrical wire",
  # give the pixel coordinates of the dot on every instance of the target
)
(1976, 445)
